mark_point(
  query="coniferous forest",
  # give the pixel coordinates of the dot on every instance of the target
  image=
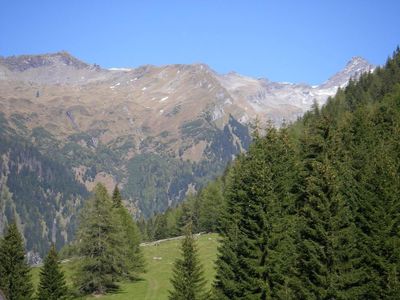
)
(311, 211)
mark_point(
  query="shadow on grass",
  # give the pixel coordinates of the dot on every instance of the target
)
(117, 290)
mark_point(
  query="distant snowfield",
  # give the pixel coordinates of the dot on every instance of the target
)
(120, 69)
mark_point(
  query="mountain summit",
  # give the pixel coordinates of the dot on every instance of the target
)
(52, 68)
(24, 62)
(353, 69)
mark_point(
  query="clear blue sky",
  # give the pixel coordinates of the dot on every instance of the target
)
(297, 41)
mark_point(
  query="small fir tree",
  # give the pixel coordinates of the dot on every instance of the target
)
(188, 282)
(186, 214)
(15, 279)
(161, 229)
(117, 198)
(52, 281)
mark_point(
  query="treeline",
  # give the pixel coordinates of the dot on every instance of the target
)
(106, 248)
(203, 210)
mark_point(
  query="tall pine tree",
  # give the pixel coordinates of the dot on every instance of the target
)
(327, 245)
(188, 282)
(373, 143)
(131, 251)
(256, 255)
(52, 284)
(211, 204)
(15, 279)
(99, 243)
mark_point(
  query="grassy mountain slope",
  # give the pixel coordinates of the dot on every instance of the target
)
(155, 283)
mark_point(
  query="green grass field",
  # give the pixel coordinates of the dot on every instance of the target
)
(155, 282)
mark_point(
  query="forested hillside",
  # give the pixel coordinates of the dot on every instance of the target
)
(39, 193)
(160, 133)
(312, 211)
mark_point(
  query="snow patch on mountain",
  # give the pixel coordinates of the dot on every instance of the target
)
(120, 69)
(164, 99)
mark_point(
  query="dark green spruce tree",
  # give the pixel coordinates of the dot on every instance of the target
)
(52, 284)
(257, 253)
(374, 145)
(186, 214)
(117, 198)
(99, 243)
(188, 282)
(227, 284)
(211, 204)
(131, 239)
(141, 224)
(328, 255)
(160, 227)
(15, 279)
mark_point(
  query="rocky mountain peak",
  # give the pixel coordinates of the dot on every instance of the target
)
(66, 58)
(23, 63)
(353, 69)
(356, 66)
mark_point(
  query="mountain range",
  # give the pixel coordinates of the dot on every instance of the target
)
(159, 132)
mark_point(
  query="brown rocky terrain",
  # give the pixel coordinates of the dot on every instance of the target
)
(65, 96)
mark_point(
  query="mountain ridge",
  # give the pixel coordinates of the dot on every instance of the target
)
(250, 97)
(149, 106)
(26, 61)
(160, 132)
